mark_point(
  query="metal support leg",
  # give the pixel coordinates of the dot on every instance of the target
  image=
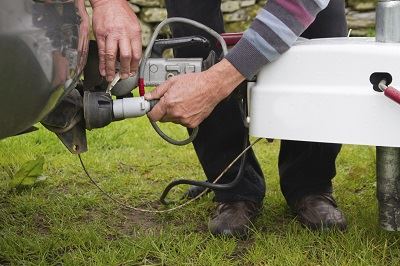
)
(388, 187)
(388, 159)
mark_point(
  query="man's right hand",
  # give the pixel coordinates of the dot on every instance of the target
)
(117, 29)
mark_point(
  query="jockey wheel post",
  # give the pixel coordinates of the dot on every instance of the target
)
(388, 159)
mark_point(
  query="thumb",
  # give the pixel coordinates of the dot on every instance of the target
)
(158, 92)
(158, 111)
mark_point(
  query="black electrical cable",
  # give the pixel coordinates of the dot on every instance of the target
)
(148, 52)
(205, 184)
(209, 185)
(173, 208)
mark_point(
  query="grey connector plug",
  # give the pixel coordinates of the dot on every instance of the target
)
(100, 109)
(131, 107)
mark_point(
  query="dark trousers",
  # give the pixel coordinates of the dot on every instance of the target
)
(304, 167)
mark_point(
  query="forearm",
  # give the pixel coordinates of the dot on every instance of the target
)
(275, 29)
(227, 76)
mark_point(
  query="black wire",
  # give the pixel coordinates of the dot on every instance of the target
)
(205, 184)
(208, 185)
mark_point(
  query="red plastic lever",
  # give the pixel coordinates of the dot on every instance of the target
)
(232, 39)
(393, 94)
(141, 87)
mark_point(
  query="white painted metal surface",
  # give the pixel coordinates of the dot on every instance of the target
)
(320, 91)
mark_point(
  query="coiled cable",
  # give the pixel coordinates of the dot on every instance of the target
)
(147, 55)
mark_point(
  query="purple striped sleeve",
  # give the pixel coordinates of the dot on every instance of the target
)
(274, 31)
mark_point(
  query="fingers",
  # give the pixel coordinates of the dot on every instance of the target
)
(111, 56)
(117, 30)
(160, 109)
(101, 44)
(136, 54)
(130, 54)
(125, 53)
(158, 92)
(83, 50)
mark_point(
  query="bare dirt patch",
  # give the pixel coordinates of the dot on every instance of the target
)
(41, 223)
(241, 248)
(129, 222)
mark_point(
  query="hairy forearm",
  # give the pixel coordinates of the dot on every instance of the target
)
(226, 76)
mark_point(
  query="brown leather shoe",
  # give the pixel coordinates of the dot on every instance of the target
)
(319, 211)
(233, 218)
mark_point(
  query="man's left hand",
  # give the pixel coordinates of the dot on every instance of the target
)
(189, 99)
(117, 30)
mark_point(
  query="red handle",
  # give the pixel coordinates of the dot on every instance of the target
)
(393, 94)
(141, 86)
(232, 39)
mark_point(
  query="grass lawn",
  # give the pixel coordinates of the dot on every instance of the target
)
(65, 220)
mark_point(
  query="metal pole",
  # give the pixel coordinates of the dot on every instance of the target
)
(388, 187)
(388, 159)
(388, 21)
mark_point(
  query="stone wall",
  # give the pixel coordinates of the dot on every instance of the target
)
(238, 15)
(361, 17)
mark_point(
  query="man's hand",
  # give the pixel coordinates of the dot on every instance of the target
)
(116, 28)
(189, 99)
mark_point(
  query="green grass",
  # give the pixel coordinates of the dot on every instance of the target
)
(67, 221)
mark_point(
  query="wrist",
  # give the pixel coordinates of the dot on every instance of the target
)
(227, 77)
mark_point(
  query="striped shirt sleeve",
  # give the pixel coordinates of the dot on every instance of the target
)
(275, 29)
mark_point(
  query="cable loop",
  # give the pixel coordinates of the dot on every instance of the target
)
(127, 206)
(147, 55)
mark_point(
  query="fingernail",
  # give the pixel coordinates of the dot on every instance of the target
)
(109, 78)
(103, 73)
(124, 76)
